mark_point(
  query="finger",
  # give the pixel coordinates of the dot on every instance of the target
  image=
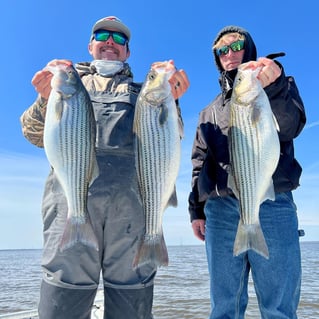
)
(41, 76)
(198, 234)
(42, 79)
(270, 64)
(265, 61)
(169, 65)
(264, 80)
(177, 89)
(251, 65)
(269, 74)
(42, 83)
(273, 71)
(56, 62)
(179, 83)
(199, 229)
(202, 229)
(44, 91)
(183, 79)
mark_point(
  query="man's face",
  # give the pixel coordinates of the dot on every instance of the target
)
(108, 49)
(232, 59)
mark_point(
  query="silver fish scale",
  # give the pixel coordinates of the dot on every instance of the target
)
(157, 149)
(246, 165)
(69, 142)
(74, 146)
(254, 152)
(157, 146)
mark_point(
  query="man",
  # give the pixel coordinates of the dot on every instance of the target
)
(71, 278)
(214, 209)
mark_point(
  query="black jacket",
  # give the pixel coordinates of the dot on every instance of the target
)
(210, 156)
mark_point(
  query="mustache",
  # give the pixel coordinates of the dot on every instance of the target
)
(108, 47)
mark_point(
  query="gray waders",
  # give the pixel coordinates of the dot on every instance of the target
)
(71, 277)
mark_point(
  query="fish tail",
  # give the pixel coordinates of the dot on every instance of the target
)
(77, 232)
(250, 237)
(151, 251)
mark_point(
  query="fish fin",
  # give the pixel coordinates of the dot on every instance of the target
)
(255, 115)
(232, 184)
(163, 114)
(95, 171)
(250, 237)
(76, 232)
(59, 108)
(270, 193)
(276, 123)
(173, 199)
(152, 250)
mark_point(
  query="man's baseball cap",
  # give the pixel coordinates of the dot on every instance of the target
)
(111, 23)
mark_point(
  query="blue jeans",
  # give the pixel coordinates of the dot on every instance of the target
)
(276, 280)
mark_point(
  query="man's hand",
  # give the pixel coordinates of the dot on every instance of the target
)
(179, 81)
(198, 226)
(42, 79)
(269, 72)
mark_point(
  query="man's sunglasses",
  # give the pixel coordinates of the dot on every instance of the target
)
(104, 35)
(235, 46)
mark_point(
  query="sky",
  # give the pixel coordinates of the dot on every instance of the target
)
(34, 32)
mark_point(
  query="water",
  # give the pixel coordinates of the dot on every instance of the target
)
(20, 274)
(181, 289)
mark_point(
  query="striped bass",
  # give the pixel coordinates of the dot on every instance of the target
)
(158, 151)
(254, 153)
(69, 143)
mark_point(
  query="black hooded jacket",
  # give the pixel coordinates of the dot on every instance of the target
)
(210, 156)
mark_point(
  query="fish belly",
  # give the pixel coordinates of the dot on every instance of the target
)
(253, 150)
(69, 145)
(157, 162)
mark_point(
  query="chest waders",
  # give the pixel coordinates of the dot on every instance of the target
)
(71, 277)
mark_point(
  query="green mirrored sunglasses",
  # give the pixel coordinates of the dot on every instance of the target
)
(235, 46)
(104, 35)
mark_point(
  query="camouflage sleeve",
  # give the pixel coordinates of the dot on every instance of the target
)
(32, 121)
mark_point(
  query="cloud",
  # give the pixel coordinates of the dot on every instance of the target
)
(313, 124)
(22, 180)
(306, 196)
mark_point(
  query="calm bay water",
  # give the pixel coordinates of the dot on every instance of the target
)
(181, 289)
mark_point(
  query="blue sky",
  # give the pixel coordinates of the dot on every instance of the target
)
(36, 31)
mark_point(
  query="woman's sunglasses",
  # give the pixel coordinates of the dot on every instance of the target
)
(235, 46)
(104, 35)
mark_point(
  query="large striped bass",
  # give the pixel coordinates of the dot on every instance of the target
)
(158, 151)
(69, 143)
(254, 153)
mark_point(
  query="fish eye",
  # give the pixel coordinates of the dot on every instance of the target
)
(151, 76)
